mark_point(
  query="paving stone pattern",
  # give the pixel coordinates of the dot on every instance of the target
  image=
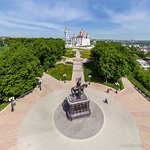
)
(132, 101)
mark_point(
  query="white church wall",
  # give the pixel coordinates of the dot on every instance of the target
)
(85, 42)
(80, 40)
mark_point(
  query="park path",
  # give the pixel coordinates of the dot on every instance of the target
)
(10, 122)
(77, 68)
(129, 98)
(137, 106)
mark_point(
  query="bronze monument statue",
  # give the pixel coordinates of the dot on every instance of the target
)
(78, 90)
(77, 103)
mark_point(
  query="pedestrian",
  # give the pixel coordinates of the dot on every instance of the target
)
(40, 84)
(12, 106)
(116, 91)
(108, 90)
(65, 106)
(105, 101)
(13, 103)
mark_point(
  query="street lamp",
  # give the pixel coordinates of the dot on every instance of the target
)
(64, 75)
(117, 87)
(89, 76)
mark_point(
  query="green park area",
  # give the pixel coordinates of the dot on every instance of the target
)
(59, 70)
(85, 53)
(95, 77)
(24, 61)
(3, 105)
(111, 61)
(139, 86)
(3, 49)
(70, 53)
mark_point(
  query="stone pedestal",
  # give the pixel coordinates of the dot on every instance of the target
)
(78, 108)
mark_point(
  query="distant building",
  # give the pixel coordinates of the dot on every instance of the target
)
(144, 50)
(82, 39)
(143, 64)
(147, 59)
(136, 45)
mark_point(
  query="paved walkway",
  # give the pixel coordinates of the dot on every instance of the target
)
(131, 112)
(40, 129)
(77, 68)
(10, 122)
(137, 106)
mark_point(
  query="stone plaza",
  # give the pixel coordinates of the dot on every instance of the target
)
(39, 122)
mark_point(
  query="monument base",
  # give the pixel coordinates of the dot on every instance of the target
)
(78, 108)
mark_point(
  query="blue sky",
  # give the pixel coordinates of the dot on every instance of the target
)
(103, 19)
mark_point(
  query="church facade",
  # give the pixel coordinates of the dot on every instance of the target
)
(82, 39)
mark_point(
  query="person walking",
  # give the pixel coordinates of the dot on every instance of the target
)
(105, 101)
(12, 106)
(65, 106)
(13, 103)
(40, 84)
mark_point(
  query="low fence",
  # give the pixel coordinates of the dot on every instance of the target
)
(143, 94)
(37, 86)
(24, 94)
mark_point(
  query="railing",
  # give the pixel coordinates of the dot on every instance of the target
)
(37, 86)
(143, 94)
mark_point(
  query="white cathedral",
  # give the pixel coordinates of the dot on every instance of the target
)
(82, 39)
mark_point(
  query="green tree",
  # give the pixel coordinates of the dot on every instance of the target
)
(25, 60)
(108, 61)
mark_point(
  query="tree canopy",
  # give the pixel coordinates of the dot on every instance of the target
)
(25, 60)
(112, 61)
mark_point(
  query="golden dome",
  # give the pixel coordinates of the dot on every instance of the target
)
(82, 33)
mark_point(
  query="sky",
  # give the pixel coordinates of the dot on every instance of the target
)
(102, 19)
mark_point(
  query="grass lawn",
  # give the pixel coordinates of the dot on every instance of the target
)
(58, 71)
(89, 70)
(85, 53)
(70, 53)
(82, 49)
(3, 105)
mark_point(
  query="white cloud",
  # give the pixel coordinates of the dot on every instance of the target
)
(64, 11)
(52, 15)
(128, 17)
(14, 22)
(135, 18)
(53, 10)
(37, 16)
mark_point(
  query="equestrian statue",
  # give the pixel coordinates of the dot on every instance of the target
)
(78, 90)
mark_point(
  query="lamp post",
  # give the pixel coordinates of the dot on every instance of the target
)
(64, 75)
(117, 87)
(89, 76)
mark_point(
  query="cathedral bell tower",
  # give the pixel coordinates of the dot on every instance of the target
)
(67, 36)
